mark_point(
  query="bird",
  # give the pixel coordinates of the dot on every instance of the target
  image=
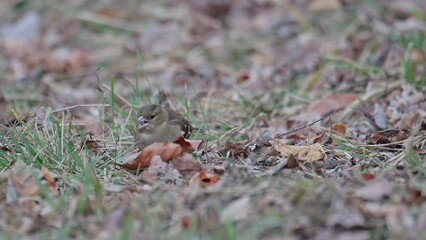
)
(156, 123)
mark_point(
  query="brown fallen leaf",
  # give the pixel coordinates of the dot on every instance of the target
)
(166, 151)
(322, 137)
(375, 190)
(388, 136)
(188, 144)
(339, 128)
(21, 181)
(242, 76)
(368, 176)
(92, 144)
(414, 196)
(203, 179)
(186, 221)
(49, 179)
(157, 169)
(109, 12)
(186, 165)
(331, 103)
(236, 149)
(304, 154)
(22, 188)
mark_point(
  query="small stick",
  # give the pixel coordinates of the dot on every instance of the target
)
(289, 132)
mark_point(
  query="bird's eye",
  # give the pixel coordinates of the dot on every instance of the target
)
(152, 116)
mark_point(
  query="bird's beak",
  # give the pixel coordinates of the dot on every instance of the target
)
(142, 123)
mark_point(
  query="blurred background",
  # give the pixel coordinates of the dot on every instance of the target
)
(51, 49)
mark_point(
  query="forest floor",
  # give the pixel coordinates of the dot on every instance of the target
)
(309, 115)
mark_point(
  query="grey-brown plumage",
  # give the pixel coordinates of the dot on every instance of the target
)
(159, 124)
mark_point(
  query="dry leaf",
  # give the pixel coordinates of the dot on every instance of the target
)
(22, 188)
(203, 179)
(166, 151)
(188, 144)
(388, 136)
(186, 165)
(414, 196)
(186, 221)
(49, 179)
(368, 176)
(21, 181)
(314, 152)
(236, 149)
(375, 190)
(157, 169)
(242, 76)
(92, 144)
(339, 128)
(331, 103)
(108, 12)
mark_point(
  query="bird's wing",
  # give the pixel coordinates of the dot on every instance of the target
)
(184, 124)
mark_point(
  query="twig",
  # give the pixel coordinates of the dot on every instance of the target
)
(232, 130)
(289, 132)
(80, 105)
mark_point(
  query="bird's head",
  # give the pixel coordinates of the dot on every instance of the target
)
(150, 116)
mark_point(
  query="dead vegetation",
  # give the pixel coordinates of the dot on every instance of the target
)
(309, 119)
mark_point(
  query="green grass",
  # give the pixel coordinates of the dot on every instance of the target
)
(51, 140)
(346, 63)
(414, 73)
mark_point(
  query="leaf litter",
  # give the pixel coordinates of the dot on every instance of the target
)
(255, 76)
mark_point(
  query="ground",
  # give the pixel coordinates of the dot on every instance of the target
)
(309, 119)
